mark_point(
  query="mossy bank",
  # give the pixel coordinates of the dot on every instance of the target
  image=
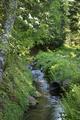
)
(15, 89)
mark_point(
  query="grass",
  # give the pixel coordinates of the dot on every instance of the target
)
(14, 90)
(72, 103)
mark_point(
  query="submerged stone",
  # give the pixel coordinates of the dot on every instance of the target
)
(32, 102)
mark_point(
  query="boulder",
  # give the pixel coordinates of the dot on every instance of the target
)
(32, 102)
(55, 88)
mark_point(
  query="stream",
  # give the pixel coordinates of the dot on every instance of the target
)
(49, 107)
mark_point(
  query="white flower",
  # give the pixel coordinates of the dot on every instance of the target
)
(37, 22)
(79, 23)
(21, 8)
(38, 1)
(0, 25)
(35, 18)
(47, 13)
(30, 17)
(20, 17)
(25, 21)
(30, 25)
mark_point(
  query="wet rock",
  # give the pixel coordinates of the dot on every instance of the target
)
(65, 83)
(32, 102)
(55, 88)
(38, 94)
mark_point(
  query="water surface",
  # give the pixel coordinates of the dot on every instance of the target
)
(49, 107)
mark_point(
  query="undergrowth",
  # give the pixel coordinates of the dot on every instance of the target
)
(59, 65)
(63, 65)
(14, 89)
(72, 103)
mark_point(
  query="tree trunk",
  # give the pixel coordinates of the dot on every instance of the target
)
(10, 7)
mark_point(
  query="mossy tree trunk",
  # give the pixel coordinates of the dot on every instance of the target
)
(10, 7)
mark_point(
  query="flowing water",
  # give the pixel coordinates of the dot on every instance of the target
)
(49, 107)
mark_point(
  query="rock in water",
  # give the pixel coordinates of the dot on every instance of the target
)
(55, 88)
(32, 102)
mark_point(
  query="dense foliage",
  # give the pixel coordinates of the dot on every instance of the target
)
(37, 21)
(72, 26)
(63, 66)
(34, 23)
(1, 15)
(60, 64)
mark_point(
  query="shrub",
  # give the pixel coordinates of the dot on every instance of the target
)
(59, 65)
